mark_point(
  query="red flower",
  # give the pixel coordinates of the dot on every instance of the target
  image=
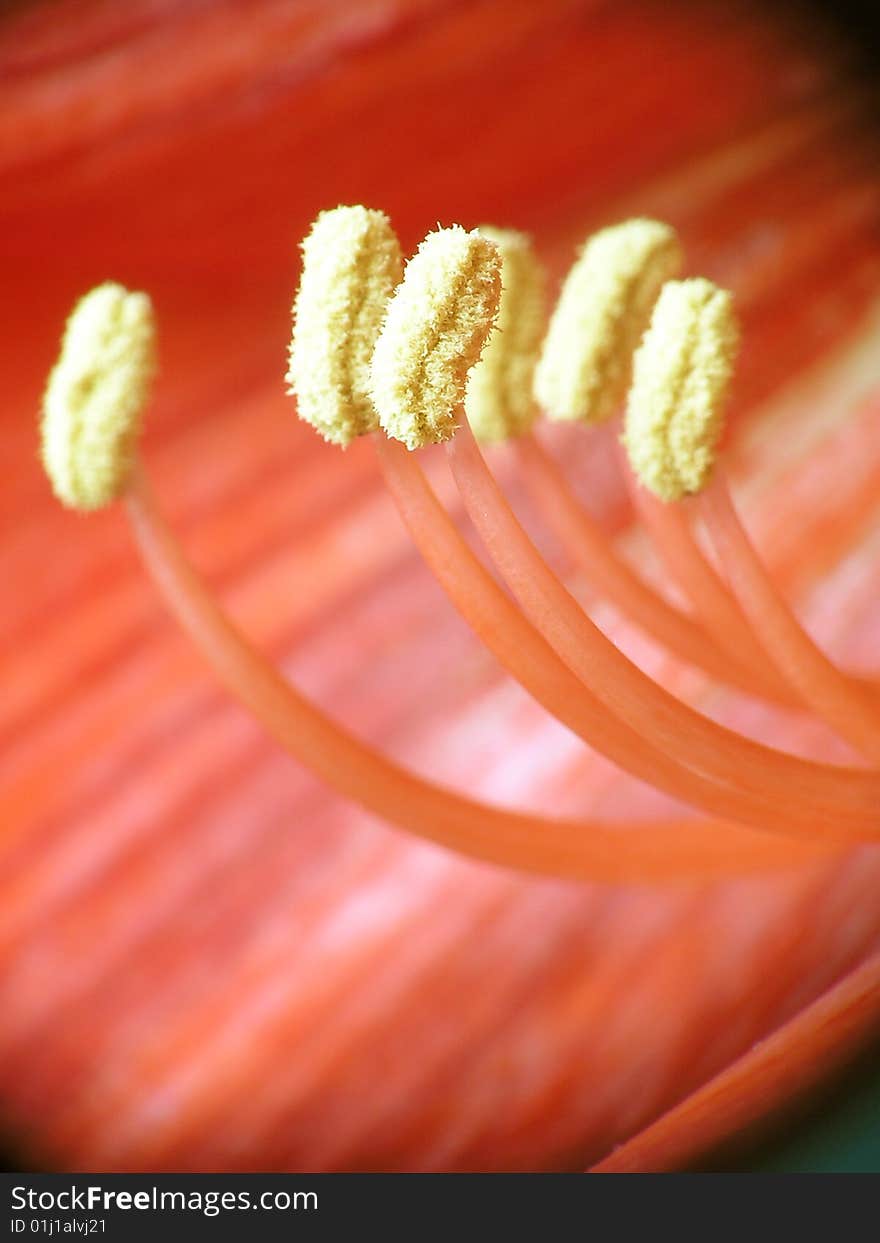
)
(208, 961)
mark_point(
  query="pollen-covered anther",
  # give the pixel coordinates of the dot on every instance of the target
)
(437, 324)
(603, 309)
(498, 401)
(96, 394)
(681, 378)
(351, 264)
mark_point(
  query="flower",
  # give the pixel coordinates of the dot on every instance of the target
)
(208, 961)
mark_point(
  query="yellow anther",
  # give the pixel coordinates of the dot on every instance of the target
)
(96, 394)
(436, 327)
(498, 400)
(681, 377)
(351, 263)
(604, 308)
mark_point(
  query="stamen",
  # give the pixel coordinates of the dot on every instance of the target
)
(675, 415)
(785, 782)
(681, 375)
(95, 395)
(727, 650)
(577, 708)
(425, 306)
(498, 401)
(570, 848)
(603, 310)
(436, 326)
(351, 264)
(498, 406)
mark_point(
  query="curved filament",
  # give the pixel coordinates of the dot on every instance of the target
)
(838, 795)
(607, 572)
(581, 850)
(822, 686)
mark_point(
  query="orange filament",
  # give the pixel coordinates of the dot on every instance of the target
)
(673, 539)
(522, 650)
(582, 850)
(824, 795)
(823, 687)
(607, 573)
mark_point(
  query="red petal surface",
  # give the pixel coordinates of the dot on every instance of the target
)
(207, 961)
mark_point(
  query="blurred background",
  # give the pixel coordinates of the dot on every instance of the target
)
(206, 960)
